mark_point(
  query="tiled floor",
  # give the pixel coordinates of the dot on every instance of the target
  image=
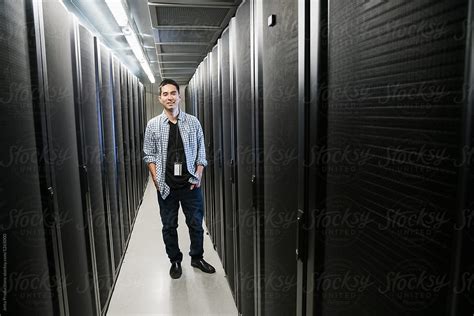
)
(144, 286)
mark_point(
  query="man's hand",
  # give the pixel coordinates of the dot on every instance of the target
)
(197, 185)
(156, 185)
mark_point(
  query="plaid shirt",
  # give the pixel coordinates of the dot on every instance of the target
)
(156, 146)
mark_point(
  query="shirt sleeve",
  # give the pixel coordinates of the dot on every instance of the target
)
(149, 147)
(201, 150)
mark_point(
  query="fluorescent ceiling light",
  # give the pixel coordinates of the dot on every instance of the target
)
(148, 71)
(135, 45)
(118, 11)
(120, 15)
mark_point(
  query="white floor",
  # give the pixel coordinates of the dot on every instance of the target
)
(144, 286)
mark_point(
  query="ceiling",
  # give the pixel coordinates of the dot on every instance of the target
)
(184, 32)
(176, 34)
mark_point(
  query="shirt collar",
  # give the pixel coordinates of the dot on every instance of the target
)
(181, 116)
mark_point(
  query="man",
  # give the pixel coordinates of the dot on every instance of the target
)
(175, 154)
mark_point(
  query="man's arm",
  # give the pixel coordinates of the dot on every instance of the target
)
(152, 169)
(201, 148)
(149, 149)
(201, 161)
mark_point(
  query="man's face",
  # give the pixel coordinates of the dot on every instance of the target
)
(169, 97)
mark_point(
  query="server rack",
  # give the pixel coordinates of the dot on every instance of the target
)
(276, 116)
(245, 211)
(24, 183)
(120, 171)
(110, 159)
(55, 32)
(217, 150)
(381, 121)
(463, 258)
(137, 152)
(227, 161)
(126, 142)
(205, 121)
(89, 152)
(65, 126)
(312, 108)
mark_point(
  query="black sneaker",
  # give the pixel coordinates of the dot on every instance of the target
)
(175, 270)
(203, 266)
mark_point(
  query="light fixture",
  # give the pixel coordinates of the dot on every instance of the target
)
(118, 11)
(120, 15)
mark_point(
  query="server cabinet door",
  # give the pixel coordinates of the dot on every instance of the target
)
(131, 135)
(278, 65)
(217, 150)
(464, 257)
(25, 224)
(228, 161)
(312, 110)
(142, 126)
(137, 128)
(109, 145)
(121, 187)
(187, 99)
(403, 133)
(207, 130)
(59, 99)
(245, 215)
(126, 143)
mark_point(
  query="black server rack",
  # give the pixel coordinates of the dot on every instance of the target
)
(126, 143)
(131, 140)
(207, 129)
(312, 109)
(109, 145)
(28, 250)
(60, 129)
(216, 107)
(276, 87)
(395, 110)
(464, 260)
(384, 184)
(242, 78)
(138, 147)
(142, 126)
(56, 36)
(120, 171)
(92, 154)
(227, 161)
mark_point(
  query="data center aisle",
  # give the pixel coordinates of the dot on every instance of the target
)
(144, 286)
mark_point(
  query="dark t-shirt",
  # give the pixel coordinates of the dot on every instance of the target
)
(176, 153)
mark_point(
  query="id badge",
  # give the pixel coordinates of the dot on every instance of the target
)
(178, 169)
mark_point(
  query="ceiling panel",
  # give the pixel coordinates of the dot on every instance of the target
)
(185, 31)
(181, 58)
(168, 65)
(193, 36)
(183, 16)
(190, 49)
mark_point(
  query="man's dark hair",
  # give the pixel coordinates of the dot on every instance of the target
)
(169, 81)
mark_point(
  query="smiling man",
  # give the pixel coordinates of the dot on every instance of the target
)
(175, 155)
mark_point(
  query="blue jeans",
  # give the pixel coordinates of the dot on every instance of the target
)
(192, 204)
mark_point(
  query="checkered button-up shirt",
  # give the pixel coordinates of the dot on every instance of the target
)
(156, 146)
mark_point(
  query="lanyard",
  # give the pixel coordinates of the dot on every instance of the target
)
(176, 143)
